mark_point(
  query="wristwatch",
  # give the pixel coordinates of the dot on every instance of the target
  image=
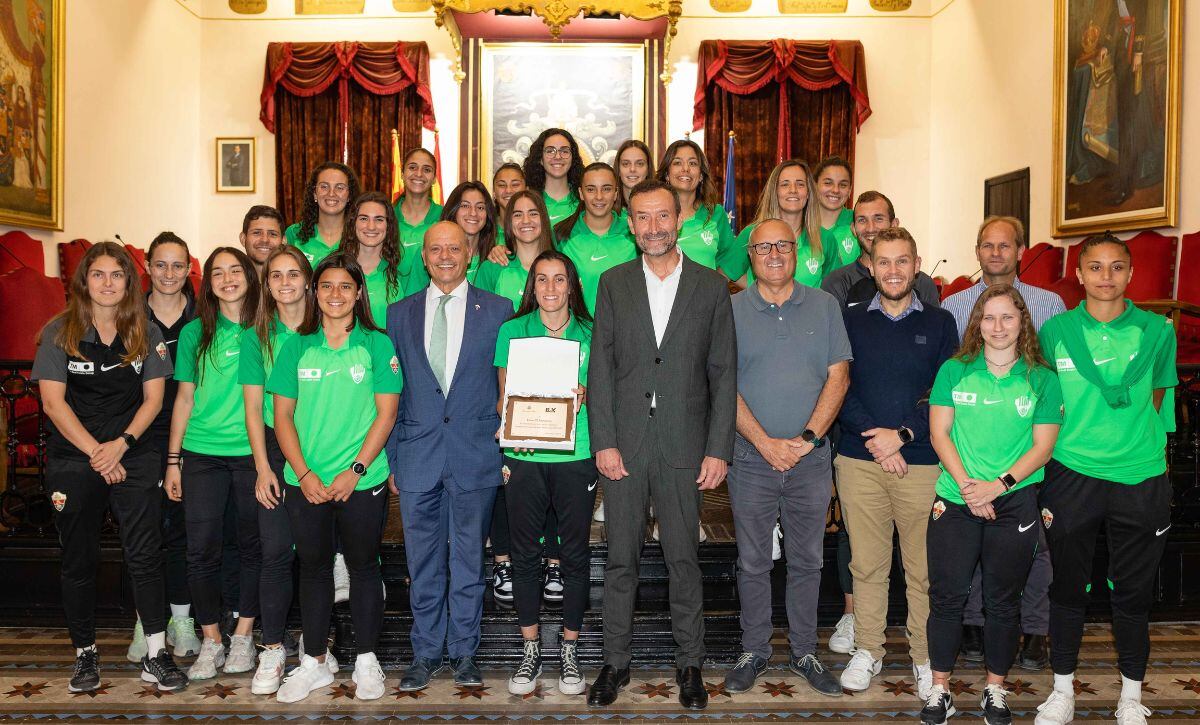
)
(129, 439)
(1007, 481)
(809, 437)
(358, 468)
(906, 435)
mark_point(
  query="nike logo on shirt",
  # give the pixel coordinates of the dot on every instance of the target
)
(106, 368)
(231, 353)
(172, 341)
(1160, 532)
(377, 491)
(1101, 362)
(597, 259)
(593, 486)
(992, 402)
(331, 372)
(852, 304)
(1026, 527)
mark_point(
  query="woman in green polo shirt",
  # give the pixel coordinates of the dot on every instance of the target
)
(633, 166)
(527, 225)
(786, 196)
(596, 237)
(508, 180)
(555, 168)
(538, 481)
(994, 415)
(705, 236)
(338, 373)
(283, 306)
(834, 180)
(372, 239)
(470, 206)
(331, 186)
(415, 212)
(210, 459)
(1116, 365)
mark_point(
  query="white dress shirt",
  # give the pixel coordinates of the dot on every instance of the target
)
(456, 315)
(661, 293)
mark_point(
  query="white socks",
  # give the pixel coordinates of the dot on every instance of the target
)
(155, 643)
(181, 611)
(1065, 684)
(1131, 689)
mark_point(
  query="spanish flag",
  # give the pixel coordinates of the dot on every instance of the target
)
(397, 168)
(436, 192)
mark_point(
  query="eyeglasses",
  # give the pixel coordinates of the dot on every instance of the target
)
(564, 151)
(762, 249)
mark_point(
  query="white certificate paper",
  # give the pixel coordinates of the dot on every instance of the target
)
(541, 369)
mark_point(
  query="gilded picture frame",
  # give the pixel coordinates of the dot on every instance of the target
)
(1117, 101)
(236, 164)
(31, 113)
(596, 91)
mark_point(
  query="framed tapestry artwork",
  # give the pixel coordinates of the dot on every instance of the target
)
(31, 113)
(594, 90)
(1117, 98)
(235, 164)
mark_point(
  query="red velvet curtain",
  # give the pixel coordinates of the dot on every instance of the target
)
(340, 101)
(783, 99)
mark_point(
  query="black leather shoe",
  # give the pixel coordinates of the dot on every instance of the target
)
(608, 684)
(971, 648)
(466, 672)
(692, 693)
(1033, 655)
(419, 673)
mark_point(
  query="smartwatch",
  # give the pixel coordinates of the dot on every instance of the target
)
(1007, 481)
(906, 435)
(129, 439)
(809, 437)
(358, 468)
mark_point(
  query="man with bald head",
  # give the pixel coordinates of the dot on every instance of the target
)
(793, 370)
(443, 452)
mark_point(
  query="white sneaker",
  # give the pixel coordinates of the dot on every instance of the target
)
(270, 671)
(330, 661)
(303, 680)
(212, 656)
(859, 671)
(777, 543)
(181, 634)
(842, 639)
(1132, 712)
(137, 646)
(241, 654)
(368, 677)
(923, 674)
(598, 515)
(1058, 709)
(341, 579)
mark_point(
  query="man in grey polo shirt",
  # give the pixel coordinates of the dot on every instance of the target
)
(793, 371)
(999, 246)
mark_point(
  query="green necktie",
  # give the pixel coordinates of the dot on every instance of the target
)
(437, 343)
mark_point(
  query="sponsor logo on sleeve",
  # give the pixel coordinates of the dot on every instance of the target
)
(308, 373)
(59, 499)
(939, 508)
(1047, 518)
(80, 367)
(395, 365)
(161, 349)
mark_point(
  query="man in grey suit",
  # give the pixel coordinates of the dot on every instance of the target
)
(663, 400)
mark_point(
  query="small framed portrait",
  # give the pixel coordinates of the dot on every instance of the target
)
(235, 164)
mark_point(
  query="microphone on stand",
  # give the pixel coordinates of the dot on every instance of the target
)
(1026, 265)
(935, 267)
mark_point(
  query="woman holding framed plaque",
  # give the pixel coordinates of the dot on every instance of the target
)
(537, 480)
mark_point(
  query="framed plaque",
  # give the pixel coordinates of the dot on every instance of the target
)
(539, 394)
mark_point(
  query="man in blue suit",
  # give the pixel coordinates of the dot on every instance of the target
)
(443, 453)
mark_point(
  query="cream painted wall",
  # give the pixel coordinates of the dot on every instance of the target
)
(133, 166)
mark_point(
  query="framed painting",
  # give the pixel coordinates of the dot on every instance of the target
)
(31, 113)
(594, 90)
(235, 164)
(1117, 99)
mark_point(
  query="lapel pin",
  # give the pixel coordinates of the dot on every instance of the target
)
(476, 308)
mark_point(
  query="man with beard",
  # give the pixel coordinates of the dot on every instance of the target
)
(262, 231)
(886, 466)
(662, 397)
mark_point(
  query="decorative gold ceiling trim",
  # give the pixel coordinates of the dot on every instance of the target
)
(248, 7)
(730, 6)
(330, 7)
(891, 6)
(812, 7)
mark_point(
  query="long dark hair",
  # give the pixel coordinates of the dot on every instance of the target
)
(535, 173)
(1028, 346)
(545, 237)
(706, 190)
(267, 306)
(172, 238)
(575, 301)
(208, 306)
(362, 306)
(309, 212)
(562, 230)
(631, 143)
(487, 235)
(391, 252)
(130, 319)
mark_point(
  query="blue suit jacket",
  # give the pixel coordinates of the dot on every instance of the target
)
(456, 429)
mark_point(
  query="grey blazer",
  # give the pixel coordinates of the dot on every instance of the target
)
(693, 373)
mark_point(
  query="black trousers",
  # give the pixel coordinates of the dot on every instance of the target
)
(1003, 547)
(278, 553)
(535, 490)
(81, 498)
(209, 482)
(174, 532)
(358, 523)
(501, 536)
(1135, 519)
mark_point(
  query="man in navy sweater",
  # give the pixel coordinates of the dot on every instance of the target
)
(886, 466)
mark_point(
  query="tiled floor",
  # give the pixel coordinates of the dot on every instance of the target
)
(35, 666)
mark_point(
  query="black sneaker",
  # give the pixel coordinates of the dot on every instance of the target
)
(87, 671)
(552, 586)
(161, 670)
(939, 707)
(502, 583)
(995, 708)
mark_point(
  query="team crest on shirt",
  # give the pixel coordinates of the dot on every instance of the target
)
(161, 349)
(1047, 518)
(357, 373)
(707, 237)
(395, 364)
(59, 499)
(1024, 405)
(939, 508)
(813, 265)
(848, 244)
(137, 365)
(505, 474)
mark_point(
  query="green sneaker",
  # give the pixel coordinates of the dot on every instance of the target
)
(181, 634)
(137, 647)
